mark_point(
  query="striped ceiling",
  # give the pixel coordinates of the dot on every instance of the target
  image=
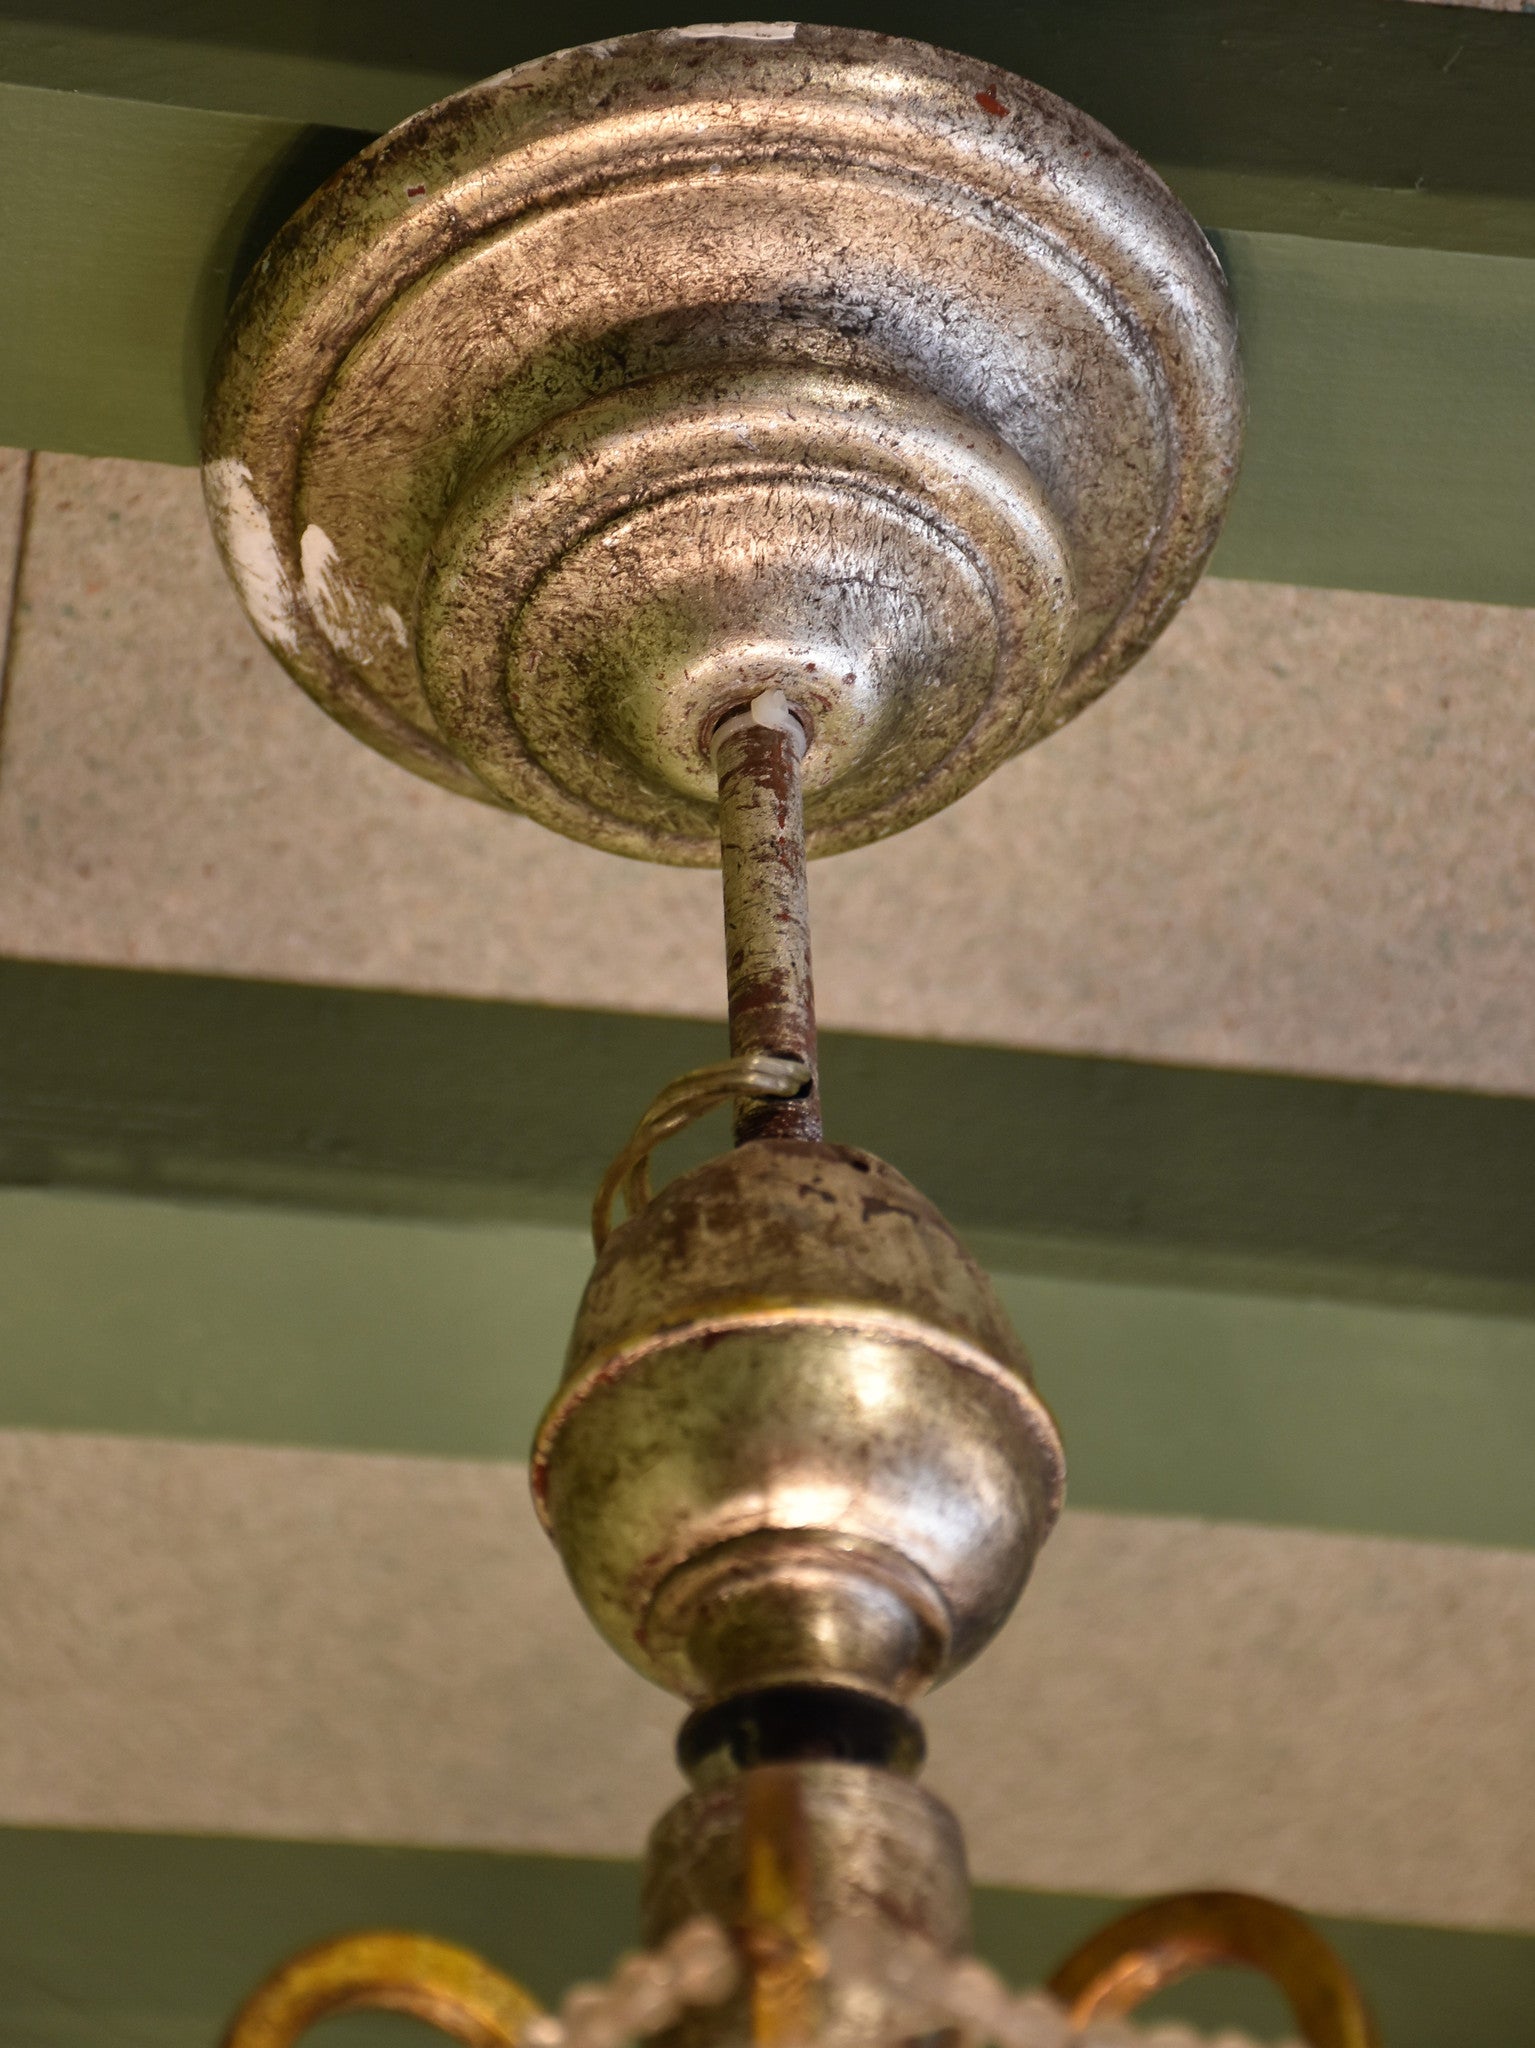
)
(284, 1651)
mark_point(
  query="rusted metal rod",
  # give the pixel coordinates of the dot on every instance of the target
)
(767, 913)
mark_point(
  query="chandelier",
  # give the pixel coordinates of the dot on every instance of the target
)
(725, 445)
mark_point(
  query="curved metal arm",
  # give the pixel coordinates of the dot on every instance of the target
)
(1120, 1966)
(451, 1988)
(680, 1103)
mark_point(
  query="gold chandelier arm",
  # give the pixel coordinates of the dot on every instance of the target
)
(680, 1103)
(1123, 1964)
(451, 1988)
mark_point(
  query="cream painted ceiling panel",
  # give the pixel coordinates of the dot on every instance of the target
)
(1301, 835)
(348, 1647)
(13, 478)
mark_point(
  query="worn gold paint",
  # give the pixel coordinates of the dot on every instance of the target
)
(797, 1439)
(1125, 1963)
(449, 1987)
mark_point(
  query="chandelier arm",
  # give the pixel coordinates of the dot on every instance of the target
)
(680, 1103)
(1153, 1946)
(451, 1988)
(757, 754)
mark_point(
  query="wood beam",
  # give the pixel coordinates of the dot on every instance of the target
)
(225, 1323)
(1366, 166)
(1249, 1296)
(1367, 119)
(439, 1107)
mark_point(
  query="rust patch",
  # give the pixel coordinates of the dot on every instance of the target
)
(767, 918)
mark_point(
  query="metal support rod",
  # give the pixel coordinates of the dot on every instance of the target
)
(767, 913)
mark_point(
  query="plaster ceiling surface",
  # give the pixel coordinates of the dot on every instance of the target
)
(1300, 835)
(356, 1647)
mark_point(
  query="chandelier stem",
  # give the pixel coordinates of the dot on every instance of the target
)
(757, 755)
(779, 1910)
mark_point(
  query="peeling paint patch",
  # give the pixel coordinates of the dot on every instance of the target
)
(353, 624)
(244, 532)
(738, 31)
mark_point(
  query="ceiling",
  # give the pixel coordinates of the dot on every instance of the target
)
(1297, 838)
(286, 1258)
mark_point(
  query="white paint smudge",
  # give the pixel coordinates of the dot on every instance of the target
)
(739, 31)
(353, 624)
(244, 532)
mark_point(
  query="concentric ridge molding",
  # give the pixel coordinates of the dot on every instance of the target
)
(635, 380)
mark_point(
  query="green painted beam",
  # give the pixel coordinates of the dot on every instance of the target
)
(1356, 118)
(153, 1940)
(1366, 166)
(1391, 438)
(383, 1334)
(438, 1107)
